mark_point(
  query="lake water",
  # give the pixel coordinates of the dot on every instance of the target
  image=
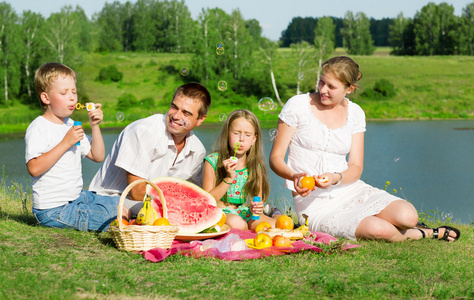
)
(431, 161)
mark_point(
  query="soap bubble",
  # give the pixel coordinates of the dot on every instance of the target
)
(220, 51)
(222, 85)
(266, 104)
(120, 116)
(222, 117)
(274, 106)
(184, 71)
(301, 76)
(273, 133)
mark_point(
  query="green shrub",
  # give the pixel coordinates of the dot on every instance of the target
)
(147, 102)
(126, 101)
(383, 89)
(110, 73)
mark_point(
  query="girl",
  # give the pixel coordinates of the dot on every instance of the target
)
(235, 182)
(320, 129)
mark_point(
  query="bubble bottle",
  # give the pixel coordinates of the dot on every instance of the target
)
(78, 123)
(255, 216)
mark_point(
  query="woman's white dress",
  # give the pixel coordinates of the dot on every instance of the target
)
(315, 149)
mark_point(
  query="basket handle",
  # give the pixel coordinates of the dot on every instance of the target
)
(127, 190)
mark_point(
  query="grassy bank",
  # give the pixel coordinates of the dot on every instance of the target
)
(437, 87)
(45, 263)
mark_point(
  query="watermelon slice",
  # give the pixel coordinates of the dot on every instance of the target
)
(189, 207)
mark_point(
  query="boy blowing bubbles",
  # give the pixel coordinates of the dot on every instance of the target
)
(53, 157)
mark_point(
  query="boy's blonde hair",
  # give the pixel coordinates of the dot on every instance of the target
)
(47, 74)
(257, 180)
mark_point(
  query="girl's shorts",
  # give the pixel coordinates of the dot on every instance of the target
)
(88, 212)
(243, 211)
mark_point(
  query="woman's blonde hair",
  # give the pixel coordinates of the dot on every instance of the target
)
(345, 69)
(255, 163)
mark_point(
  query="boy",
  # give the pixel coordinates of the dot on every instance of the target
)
(54, 148)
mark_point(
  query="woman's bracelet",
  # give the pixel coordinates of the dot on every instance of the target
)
(340, 179)
(229, 183)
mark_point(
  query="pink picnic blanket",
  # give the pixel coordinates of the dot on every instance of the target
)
(192, 249)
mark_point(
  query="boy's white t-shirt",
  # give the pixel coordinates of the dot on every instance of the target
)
(63, 182)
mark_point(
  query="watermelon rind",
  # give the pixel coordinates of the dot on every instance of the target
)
(189, 207)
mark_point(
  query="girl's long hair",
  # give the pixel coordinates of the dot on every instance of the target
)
(255, 163)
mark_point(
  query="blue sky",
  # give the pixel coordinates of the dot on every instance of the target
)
(273, 15)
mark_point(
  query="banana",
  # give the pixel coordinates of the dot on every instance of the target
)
(147, 214)
(305, 227)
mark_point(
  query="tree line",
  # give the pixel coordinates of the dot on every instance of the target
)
(225, 47)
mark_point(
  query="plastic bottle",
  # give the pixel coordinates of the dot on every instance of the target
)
(255, 216)
(78, 123)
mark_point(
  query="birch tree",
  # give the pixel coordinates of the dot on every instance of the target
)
(30, 27)
(305, 54)
(60, 34)
(324, 42)
(10, 53)
(467, 28)
(269, 51)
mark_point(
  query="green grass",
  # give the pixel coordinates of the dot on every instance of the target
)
(45, 263)
(435, 87)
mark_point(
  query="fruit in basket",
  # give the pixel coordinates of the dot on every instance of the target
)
(133, 222)
(262, 226)
(147, 214)
(189, 207)
(281, 241)
(161, 222)
(291, 234)
(307, 182)
(284, 222)
(303, 228)
(115, 222)
(262, 240)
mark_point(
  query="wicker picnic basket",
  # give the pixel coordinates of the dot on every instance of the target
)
(142, 237)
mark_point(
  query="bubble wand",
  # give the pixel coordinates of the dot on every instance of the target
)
(236, 147)
(88, 106)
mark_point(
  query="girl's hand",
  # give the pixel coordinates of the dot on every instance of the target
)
(96, 115)
(74, 135)
(302, 191)
(256, 207)
(323, 181)
(230, 166)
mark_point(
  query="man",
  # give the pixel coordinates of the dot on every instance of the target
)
(157, 146)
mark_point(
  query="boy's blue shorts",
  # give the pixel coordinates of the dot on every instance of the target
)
(88, 212)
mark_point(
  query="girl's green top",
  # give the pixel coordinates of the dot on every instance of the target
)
(235, 194)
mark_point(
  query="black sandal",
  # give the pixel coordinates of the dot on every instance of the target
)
(446, 233)
(422, 225)
(422, 232)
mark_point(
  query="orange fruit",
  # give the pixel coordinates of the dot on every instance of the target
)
(133, 222)
(281, 241)
(222, 220)
(307, 182)
(161, 222)
(284, 222)
(262, 240)
(115, 222)
(262, 226)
